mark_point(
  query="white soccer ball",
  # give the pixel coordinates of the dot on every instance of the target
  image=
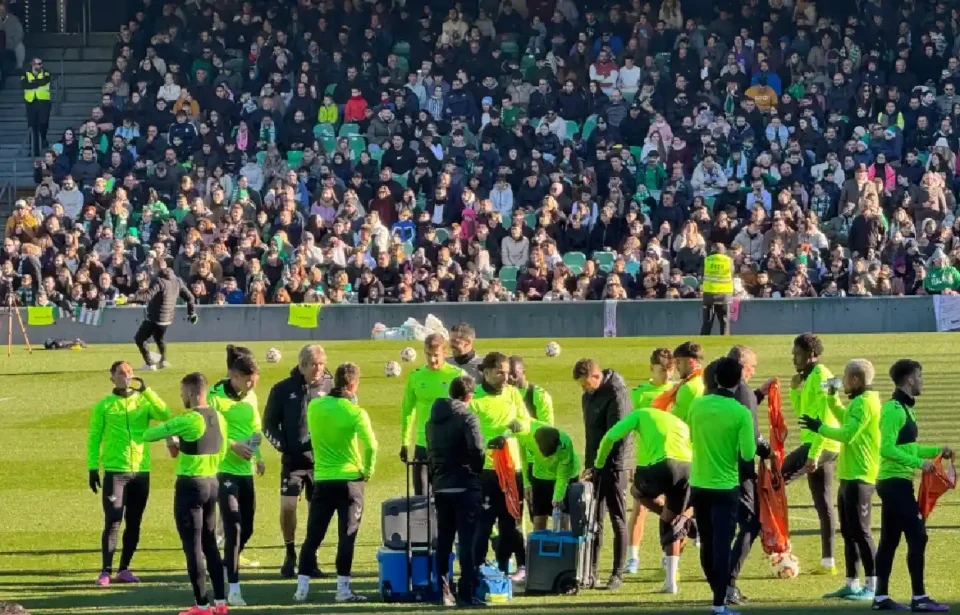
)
(784, 565)
(273, 356)
(553, 349)
(391, 369)
(408, 355)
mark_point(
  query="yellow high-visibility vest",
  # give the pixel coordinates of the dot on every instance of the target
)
(40, 93)
(718, 274)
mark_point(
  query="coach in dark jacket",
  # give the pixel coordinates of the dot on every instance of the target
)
(161, 301)
(285, 427)
(605, 401)
(455, 450)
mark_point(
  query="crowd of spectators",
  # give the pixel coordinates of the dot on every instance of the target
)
(326, 151)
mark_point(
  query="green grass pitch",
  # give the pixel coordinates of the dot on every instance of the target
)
(50, 522)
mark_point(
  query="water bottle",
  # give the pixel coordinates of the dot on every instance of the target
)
(834, 384)
(557, 518)
(254, 442)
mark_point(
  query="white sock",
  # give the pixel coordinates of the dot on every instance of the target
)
(303, 581)
(828, 562)
(853, 583)
(343, 585)
(634, 552)
(219, 602)
(718, 609)
(920, 597)
(234, 588)
(870, 583)
(673, 566)
(880, 598)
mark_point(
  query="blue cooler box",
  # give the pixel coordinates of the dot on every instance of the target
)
(393, 576)
(556, 562)
(494, 587)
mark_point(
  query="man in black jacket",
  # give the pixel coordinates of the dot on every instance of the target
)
(748, 512)
(455, 449)
(285, 427)
(161, 301)
(605, 401)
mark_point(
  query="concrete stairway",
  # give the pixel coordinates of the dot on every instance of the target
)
(84, 70)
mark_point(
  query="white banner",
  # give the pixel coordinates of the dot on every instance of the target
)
(947, 310)
(609, 318)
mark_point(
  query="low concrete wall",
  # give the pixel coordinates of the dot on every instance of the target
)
(503, 320)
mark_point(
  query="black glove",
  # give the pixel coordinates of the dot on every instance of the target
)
(94, 480)
(497, 443)
(193, 318)
(763, 448)
(813, 424)
(141, 385)
(515, 426)
(403, 454)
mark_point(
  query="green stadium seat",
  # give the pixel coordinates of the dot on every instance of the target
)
(402, 48)
(261, 158)
(573, 129)
(510, 48)
(530, 220)
(376, 154)
(575, 269)
(632, 267)
(691, 281)
(588, 127)
(323, 130)
(349, 129)
(358, 145)
(330, 89)
(604, 260)
(508, 277)
(401, 179)
(408, 248)
(294, 158)
(636, 151)
(329, 143)
(442, 235)
(578, 259)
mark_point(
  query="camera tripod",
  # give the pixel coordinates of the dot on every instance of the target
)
(13, 308)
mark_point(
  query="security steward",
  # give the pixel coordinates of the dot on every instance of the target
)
(717, 290)
(36, 93)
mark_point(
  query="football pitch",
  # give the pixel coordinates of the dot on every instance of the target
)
(50, 522)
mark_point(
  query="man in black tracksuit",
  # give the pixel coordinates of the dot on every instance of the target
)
(285, 427)
(455, 450)
(605, 401)
(161, 302)
(748, 512)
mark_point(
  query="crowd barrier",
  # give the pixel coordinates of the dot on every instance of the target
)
(506, 320)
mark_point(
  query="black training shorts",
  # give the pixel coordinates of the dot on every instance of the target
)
(668, 478)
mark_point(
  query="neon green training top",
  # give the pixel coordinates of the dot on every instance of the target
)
(859, 436)
(344, 446)
(644, 393)
(539, 406)
(810, 399)
(900, 455)
(117, 424)
(660, 435)
(721, 431)
(191, 427)
(496, 411)
(688, 391)
(561, 467)
(243, 420)
(424, 386)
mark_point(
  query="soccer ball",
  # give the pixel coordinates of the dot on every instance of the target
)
(408, 354)
(273, 356)
(553, 349)
(784, 565)
(391, 369)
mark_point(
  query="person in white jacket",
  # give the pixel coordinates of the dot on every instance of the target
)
(502, 198)
(708, 178)
(628, 80)
(169, 91)
(254, 174)
(70, 197)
